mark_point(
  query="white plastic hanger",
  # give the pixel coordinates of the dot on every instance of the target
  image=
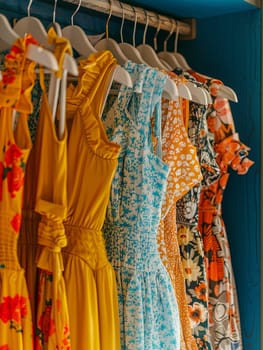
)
(170, 90)
(147, 52)
(58, 86)
(130, 51)
(34, 52)
(169, 57)
(81, 44)
(199, 95)
(55, 25)
(223, 91)
(110, 44)
(78, 38)
(180, 58)
(34, 26)
(183, 89)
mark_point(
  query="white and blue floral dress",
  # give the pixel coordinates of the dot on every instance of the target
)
(147, 304)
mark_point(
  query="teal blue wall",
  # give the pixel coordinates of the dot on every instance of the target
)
(227, 47)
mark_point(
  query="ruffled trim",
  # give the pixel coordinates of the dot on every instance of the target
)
(96, 137)
(92, 73)
(232, 152)
(18, 77)
(62, 46)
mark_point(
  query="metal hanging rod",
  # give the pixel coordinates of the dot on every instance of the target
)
(187, 28)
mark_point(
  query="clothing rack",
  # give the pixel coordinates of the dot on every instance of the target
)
(187, 27)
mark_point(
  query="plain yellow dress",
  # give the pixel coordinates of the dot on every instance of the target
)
(92, 161)
(15, 92)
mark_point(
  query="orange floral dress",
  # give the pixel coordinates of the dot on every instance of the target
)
(52, 319)
(180, 154)
(224, 319)
(15, 94)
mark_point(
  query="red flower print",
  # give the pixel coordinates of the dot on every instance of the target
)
(16, 222)
(46, 324)
(8, 76)
(15, 179)
(16, 50)
(12, 155)
(1, 179)
(4, 347)
(13, 308)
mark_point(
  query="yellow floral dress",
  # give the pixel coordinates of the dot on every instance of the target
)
(185, 172)
(15, 93)
(92, 161)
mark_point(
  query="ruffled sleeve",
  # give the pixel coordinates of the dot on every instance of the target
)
(231, 152)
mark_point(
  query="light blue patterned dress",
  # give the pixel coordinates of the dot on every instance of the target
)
(147, 305)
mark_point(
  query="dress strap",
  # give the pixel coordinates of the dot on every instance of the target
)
(138, 72)
(42, 79)
(62, 46)
(156, 108)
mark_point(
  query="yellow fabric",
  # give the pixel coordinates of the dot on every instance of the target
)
(61, 47)
(51, 204)
(92, 161)
(15, 87)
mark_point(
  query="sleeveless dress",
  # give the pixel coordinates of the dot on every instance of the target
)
(189, 237)
(92, 160)
(15, 93)
(147, 304)
(180, 154)
(52, 319)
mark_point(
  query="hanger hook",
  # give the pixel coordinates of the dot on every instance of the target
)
(169, 35)
(108, 20)
(135, 25)
(176, 36)
(29, 7)
(146, 26)
(54, 11)
(122, 21)
(157, 32)
(75, 12)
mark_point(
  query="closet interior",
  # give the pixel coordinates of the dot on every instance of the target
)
(130, 175)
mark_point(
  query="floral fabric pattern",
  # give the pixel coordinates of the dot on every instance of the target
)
(224, 319)
(180, 154)
(147, 304)
(189, 237)
(15, 86)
